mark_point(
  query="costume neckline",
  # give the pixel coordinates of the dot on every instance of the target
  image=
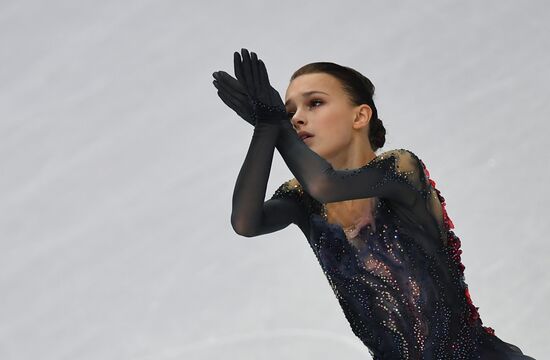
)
(363, 166)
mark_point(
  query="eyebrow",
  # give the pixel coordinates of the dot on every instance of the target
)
(307, 93)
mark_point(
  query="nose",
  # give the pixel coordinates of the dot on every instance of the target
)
(297, 120)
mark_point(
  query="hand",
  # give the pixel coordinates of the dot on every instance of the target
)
(267, 105)
(234, 95)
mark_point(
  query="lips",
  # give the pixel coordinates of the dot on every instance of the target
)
(304, 135)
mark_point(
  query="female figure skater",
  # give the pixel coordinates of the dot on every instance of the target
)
(376, 223)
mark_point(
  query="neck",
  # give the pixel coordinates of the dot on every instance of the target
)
(356, 155)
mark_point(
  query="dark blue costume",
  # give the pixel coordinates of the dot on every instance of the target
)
(399, 279)
(398, 275)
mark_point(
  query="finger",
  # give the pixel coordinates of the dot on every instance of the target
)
(239, 96)
(230, 85)
(264, 78)
(237, 65)
(247, 72)
(228, 98)
(273, 94)
(255, 72)
(229, 102)
(223, 88)
(218, 85)
(230, 82)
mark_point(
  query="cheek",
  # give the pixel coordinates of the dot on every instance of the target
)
(334, 123)
(328, 118)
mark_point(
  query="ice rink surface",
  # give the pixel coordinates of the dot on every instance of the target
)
(118, 162)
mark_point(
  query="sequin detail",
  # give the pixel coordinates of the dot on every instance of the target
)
(400, 285)
(268, 113)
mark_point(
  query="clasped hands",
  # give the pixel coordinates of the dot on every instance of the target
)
(251, 95)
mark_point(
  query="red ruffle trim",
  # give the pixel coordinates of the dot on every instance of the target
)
(454, 243)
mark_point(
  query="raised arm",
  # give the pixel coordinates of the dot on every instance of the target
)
(250, 187)
(251, 216)
(262, 108)
(394, 175)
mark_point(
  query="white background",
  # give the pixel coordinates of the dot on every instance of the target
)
(118, 161)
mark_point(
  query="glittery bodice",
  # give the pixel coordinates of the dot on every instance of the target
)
(402, 302)
(400, 280)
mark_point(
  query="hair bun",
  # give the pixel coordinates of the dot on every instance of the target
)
(360, 90)
(377, 134)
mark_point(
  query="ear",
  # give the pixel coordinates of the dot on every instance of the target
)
(363, 115)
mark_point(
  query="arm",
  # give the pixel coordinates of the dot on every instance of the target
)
(314, 173)
(398, 181)
(394, 177)
(397, 175)
(250, 215)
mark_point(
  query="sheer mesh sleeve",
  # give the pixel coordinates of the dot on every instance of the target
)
(397, 175)
(393, 175)
(299, 204)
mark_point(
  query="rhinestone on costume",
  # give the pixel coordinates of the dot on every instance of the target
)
(401, 283)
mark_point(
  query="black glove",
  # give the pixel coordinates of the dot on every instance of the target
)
(233, 95)
(266, 103)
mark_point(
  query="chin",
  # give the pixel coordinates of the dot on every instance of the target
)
(320, 153)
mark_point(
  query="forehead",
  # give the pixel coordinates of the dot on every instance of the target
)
(313, 82)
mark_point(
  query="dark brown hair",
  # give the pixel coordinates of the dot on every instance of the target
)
(360, 90)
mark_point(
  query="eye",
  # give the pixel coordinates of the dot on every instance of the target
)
(312, 103)
(316, 102)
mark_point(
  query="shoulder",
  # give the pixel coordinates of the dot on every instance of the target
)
(292, 191)
(408, 166)
(293, 183)
(400, 154)
(289, 189)
(405, 160)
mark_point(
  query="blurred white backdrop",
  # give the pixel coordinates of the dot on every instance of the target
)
(118, 162)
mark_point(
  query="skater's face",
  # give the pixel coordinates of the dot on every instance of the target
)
(319, 105)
